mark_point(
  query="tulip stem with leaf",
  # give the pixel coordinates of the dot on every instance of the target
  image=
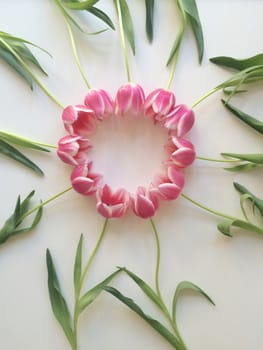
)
(67, 320)
(246, 223)
(12, 226)
(170, 333)
(13, 51)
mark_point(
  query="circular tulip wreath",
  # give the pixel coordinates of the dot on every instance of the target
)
(80, 122)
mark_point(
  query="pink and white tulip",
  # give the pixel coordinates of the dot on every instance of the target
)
(73, 149)
(100, 102)
(79, 120)
(168, 186)
(129, 99)
(84, 181)
(158, 104)
(144, 203)
(112, 204)
(181, 152)
(180, 120)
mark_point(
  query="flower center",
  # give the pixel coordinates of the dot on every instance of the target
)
(128, 151)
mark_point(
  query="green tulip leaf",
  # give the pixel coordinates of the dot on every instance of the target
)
(238, 64)
(149, 5)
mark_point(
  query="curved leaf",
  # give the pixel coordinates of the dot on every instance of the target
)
(251, 121)
(253, 158)
(13, 153)
(225, 227)
(21, 141)
(186, 285)
(149, 5)
(78, 266)
(101, 15)
(238, 64)
(257, 202)
(79, 5)
(58, 302)
(163, 331)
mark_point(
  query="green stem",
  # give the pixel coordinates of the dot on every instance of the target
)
(33, 76)
(212, 211)
(171, 77)
(157, 286)
(123, 41)
(83, 276)
(218, 160)
(76, 55)
(205, 96)
(45, 203)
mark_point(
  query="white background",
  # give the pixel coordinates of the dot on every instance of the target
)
(229, 270)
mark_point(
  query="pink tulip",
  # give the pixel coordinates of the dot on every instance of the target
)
(79, 120)
(129, 99)
(144, 203)
(158, 104)
(181, 151)
(100, 102)
(112, 204)
(180, 120)
(169, 186)
(84, 180)
(73, 149)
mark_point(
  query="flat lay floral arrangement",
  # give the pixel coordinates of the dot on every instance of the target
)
(131, 167)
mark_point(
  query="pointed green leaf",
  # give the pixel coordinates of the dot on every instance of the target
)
(257, 202)
(176, 46)
(251, 121)
(78, 266)
(94, 292)
(163, 331)
(58, 302)
(225, 227)
(68, 18)
(13, 153)
(79, 5)
(253, 158)
(186, 285)
(149, 5)
(12, 61)
(11, 226)
(191, 11)
(238, 64)
(101, 15)
(145, 288)
(126, 20)
(242, 167)
(21, 141)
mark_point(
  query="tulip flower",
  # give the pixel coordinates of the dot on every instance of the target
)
(100, 102)
(158, 104)
(168, 186)
(129, 99)
(84, 180)
(179, 121)
(144, 203)
(73, 149)
(79, 120)
(181, 152)
(112, 204)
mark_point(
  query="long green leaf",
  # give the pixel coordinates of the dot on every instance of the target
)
(13, 153)
(242, 167)
(225, 227)
(79, 5)
(58, 302)
(78, 266)
(94, 292)
(12, 62)
(253, 158)
(191, 11)
(251, 121)
(127, 22)
(145, 288)
(257, 202)
(21, 141)
(12, 227)
(149, 5)
(183, 286)
(163, 331)
(101, 15)
(238, 64)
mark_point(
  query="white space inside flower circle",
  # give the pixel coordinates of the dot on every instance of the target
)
(160, 114)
